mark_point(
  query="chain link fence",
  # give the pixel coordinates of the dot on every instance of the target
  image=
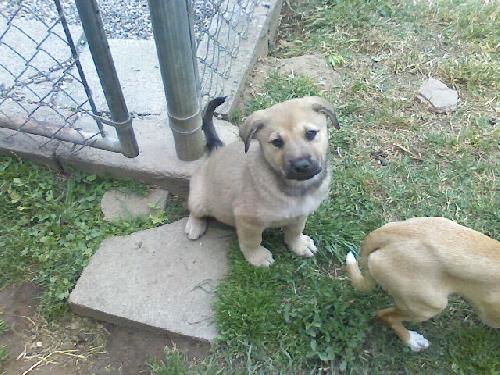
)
(220, 26)
(40, 42)
(38, 59)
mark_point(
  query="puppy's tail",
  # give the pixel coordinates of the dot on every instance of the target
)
(212, 138)
(370, 244)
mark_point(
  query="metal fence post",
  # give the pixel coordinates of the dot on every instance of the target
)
(175, 44)
(88, 11)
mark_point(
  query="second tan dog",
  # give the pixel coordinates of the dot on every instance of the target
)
(420, 262)
(276, 181)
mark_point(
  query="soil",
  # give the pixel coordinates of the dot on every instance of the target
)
(75, 345)
(315, 67)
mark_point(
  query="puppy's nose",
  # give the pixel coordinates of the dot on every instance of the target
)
(302, 165)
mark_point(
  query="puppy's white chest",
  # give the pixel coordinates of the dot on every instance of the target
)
(301, 207)
(295, 209)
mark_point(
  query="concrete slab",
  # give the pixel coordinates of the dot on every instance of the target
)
(157, 162)
(116, 205)
(21, 57)
(137, 67)
(28, 146)
(155, 279)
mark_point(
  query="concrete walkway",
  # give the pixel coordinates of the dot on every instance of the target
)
(156, 279)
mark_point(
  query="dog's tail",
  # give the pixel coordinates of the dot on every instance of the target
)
(373, 242)
(212, 138)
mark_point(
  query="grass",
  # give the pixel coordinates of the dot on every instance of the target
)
(392, 159)
(52, 224)
(4, 352)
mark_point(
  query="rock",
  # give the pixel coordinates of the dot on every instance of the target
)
(313, 66)
(440, 97)
(156, 279)
(116, 205)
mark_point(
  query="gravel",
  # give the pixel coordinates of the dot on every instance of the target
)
(123, 19)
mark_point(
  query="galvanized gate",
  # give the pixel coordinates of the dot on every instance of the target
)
(44, 90)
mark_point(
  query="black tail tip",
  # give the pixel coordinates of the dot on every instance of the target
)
(214, 144)
(220, 99)
(214, 103)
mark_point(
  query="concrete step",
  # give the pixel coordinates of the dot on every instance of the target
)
(156, 279)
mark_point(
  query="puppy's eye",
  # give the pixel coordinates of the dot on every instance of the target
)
(278, 142)
(310, 134)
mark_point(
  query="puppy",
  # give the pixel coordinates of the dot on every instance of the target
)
(420, 262)
(275, 178)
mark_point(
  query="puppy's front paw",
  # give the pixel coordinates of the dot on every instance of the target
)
(195, 227)
(417, 342)
(303, 246)
(260, 257)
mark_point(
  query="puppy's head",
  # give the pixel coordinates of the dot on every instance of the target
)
(293, 136)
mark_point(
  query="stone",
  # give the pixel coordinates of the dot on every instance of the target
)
(156, 279)
(313, 66)
(438, 96)
(116, 205)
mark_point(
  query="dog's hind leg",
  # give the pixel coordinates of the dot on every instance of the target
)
(393, 317)
(417, 308)
(489, 308)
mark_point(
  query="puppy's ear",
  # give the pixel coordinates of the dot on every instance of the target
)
(322, 106)
(249, 129)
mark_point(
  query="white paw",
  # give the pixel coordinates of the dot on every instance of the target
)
(350, 259)
(260, 257)
(303, 246)
(417, 342)
(195, 228)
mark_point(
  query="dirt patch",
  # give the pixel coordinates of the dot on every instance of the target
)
(75, 345)
(313, 66)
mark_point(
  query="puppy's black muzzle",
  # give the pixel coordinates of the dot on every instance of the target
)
(302, 169)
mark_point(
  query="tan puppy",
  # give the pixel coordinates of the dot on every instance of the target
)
(420, 262)
(276, 181)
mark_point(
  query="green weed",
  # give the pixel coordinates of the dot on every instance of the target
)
(4, 352)
(4, 355)
(3, 327)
